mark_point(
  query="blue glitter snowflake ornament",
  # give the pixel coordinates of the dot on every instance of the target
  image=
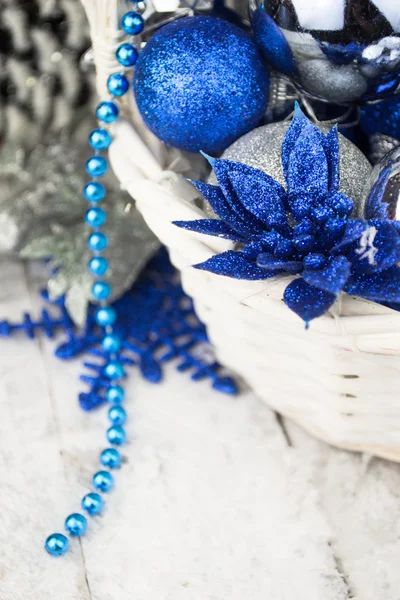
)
(156, 324)
(305, 230)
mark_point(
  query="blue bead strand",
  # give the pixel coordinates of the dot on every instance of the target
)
(100, 139)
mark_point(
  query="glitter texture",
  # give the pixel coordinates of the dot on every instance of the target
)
(304, 230)
(383, 117)
(200, 83)
(261, 149)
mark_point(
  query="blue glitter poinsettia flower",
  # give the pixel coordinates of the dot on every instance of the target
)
(305, 230)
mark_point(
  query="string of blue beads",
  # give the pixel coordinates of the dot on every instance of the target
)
(94, 192)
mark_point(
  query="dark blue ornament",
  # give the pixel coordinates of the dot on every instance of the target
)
(200, 83)
(383, 118)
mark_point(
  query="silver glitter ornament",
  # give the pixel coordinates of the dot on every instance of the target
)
(130, 246)
(390, 164)
(261, 149)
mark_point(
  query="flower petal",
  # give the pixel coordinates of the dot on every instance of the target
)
(215, 197)
(307, 301)
(354, 230)
(379, 287)
(224, 169)
(308, 175)
(331, 145)
(297, 125)
(236, 265)
(213, 227)
(260, 194)
(331, 278)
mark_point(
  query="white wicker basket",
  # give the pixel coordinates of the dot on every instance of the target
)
(339, 380)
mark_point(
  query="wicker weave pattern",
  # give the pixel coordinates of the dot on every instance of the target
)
(339, 380)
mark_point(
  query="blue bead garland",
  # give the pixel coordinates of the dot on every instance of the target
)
(100, 139)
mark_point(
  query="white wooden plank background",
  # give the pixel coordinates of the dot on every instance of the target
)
(218, 499)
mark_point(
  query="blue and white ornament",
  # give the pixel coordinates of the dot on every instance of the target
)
(200, 83)
(342, 52)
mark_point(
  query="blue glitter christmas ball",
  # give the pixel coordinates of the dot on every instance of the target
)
(200, 83)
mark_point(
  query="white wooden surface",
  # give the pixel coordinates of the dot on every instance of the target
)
(219, 499)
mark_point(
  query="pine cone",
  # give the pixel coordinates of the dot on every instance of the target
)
(42, 88)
